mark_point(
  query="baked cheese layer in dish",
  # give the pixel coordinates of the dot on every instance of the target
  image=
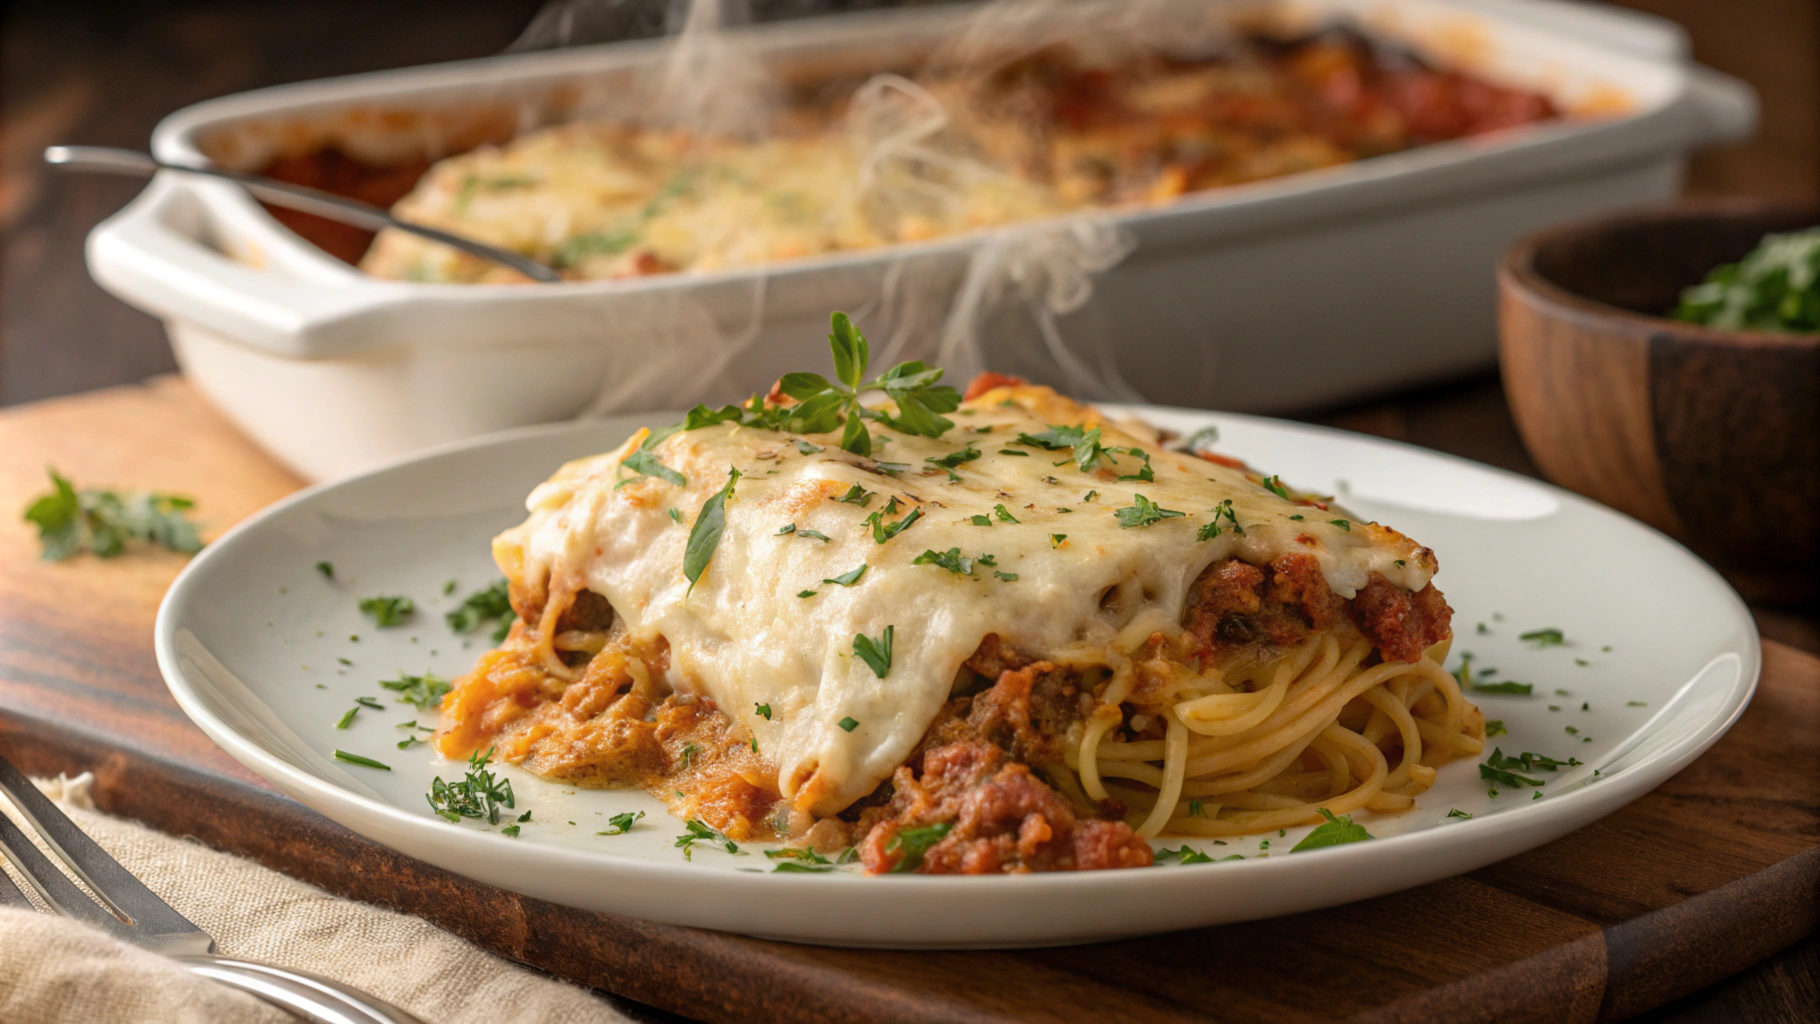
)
(851, 163)
(1029, 642)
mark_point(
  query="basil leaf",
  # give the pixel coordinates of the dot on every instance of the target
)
(802, 386)
(875, 653)
(851, 353)
(704, 536)
(1336, 832)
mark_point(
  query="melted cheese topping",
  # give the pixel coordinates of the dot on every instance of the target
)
(1087, 589)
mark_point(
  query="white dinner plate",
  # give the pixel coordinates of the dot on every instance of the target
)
(266, 655)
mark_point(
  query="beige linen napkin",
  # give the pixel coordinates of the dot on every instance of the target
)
(53, 970)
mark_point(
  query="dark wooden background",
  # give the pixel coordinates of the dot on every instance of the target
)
(104, 73)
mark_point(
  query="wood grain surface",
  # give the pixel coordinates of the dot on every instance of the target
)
(1714, 871)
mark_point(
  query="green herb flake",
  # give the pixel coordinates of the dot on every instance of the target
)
(494, 604)
(1457, 813)
(1775, 287)
(1540, 638)
(327, 570)
(1506, 688)
(951, 560)
(704, 536)
(425, 691)
(510, 831)
(1008, 577)
(913, 843)
(848, 724)
(857, 495)
(1013, 451)
(1143, 513)
(1636, 704)
(367, 762)
(875, 653)
(806, 593)
(1056, 539)
(1003, 515)
(1184, 855)
(699, 832)
(882, 531)
(981, 521)
(848, 578)
(1494, 727)
(645, 464)
(388, 611)
(1335, 832)
(1274, 485)
(1341, 523)
(347, 719)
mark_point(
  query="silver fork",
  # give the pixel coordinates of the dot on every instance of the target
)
(128, 910)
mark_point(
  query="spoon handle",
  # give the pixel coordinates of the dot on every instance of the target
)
(296, 197)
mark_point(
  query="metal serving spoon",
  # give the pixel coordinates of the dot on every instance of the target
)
(295, 197)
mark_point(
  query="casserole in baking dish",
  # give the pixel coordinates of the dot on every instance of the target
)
(1278, 293)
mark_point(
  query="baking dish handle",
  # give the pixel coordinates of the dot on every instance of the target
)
(1725, 107)
(154, 254)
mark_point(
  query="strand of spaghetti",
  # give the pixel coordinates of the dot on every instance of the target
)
(1331, 701)
(1174, 760)
(1265, 770)
(1457, 744)
(1087, 761)
(1210, 716)
(1339, 773)
(553, 610)
(1393, 709)
(1309, 691)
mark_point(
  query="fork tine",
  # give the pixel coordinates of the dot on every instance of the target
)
(10, 896)
(58, 891)
(148, 915)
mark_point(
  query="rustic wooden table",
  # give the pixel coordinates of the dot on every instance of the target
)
(101, 74)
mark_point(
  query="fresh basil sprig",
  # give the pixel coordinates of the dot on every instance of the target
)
(823, 403)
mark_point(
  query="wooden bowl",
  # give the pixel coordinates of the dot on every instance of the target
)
(1711, 436)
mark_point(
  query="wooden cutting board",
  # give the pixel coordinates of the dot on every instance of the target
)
(1715, 870)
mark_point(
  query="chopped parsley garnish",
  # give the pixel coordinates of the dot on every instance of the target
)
(347, 719)
(1187, 855)
(1275, 486)
(1089, 496)
(812, 534)
(1056, 539)
(1495, 727)
(1341, 523)
(103, 522)
(857, 495)
(806, 593)
(1014, 451)
(1009, 577)
(342, 755)
(1211, 529)
(949, 461)
(875, 653)
(786, 529)
(1003, 515)
(369, 703)
(809, 449)
(645, 464)
(764, 711)
(1636, 704)
(326, 569)
(822, 404)
(1297, 518)
(510, 831)
(704, 536)
(850, 577)
(1457, 813)
(980, 521)
(913, 843)
(1775, 287)
(699, 832)
(388, 611)
(800, 858)
(491, 604)
(1144, 513)
(480, 794)
(848, 724)
(1196, 809)
(882, 531)
(1517, 689)
(676, 514)
(951, 560)
(689, 751)
(1335, 832)
(1540, 638)
(1497, 769)
(425, 691)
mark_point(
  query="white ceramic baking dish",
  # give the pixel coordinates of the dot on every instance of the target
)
(1286, 293)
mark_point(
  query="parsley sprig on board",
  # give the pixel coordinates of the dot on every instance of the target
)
(103, 522)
